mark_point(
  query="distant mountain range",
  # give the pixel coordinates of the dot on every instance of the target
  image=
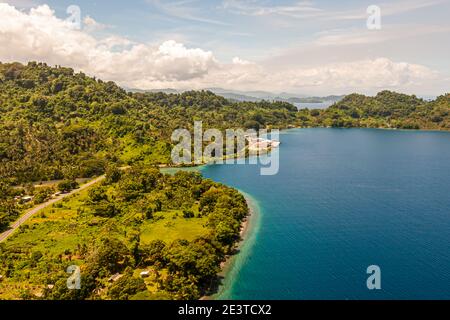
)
(256, 96)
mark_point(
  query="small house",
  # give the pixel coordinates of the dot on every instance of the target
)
(26, 199)
(145, 274)
(115, 277)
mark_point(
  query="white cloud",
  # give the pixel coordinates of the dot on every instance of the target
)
(239, 61)
(39, 35)
(369, 74)
(92, 25)
(115, 42)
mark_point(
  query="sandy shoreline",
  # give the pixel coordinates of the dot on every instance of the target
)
(246, 227)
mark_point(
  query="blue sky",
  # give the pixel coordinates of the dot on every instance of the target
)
(312, 44)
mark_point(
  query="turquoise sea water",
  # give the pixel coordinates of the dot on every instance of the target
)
(345, 199)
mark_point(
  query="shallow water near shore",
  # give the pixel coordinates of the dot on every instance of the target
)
(345, 199)
(235, 262)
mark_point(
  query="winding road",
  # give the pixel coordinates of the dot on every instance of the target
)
(32, 211)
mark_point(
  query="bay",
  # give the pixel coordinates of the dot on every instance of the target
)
(345, 199)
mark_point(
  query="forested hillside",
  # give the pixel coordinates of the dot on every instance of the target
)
(385, 110)
(55, 123)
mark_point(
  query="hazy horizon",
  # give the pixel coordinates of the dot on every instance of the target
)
(280, 94)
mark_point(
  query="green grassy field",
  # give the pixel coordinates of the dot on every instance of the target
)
(173, 227)
(58, 230)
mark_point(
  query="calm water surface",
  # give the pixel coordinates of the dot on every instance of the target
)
(345, 199)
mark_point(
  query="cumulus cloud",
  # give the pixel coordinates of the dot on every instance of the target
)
(92, 25)
(375, 73)
(367, 75)
(39, 35)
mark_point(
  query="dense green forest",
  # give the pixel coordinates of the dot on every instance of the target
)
(55, 123)
(178, 227)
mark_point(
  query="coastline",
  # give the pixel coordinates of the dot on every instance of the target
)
(231, 266)
(249, 229)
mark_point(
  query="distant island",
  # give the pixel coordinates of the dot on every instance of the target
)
(385, 110)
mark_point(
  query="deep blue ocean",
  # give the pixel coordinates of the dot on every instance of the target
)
(345, 199)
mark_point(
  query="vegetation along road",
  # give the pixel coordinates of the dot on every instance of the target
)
(32, 211)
